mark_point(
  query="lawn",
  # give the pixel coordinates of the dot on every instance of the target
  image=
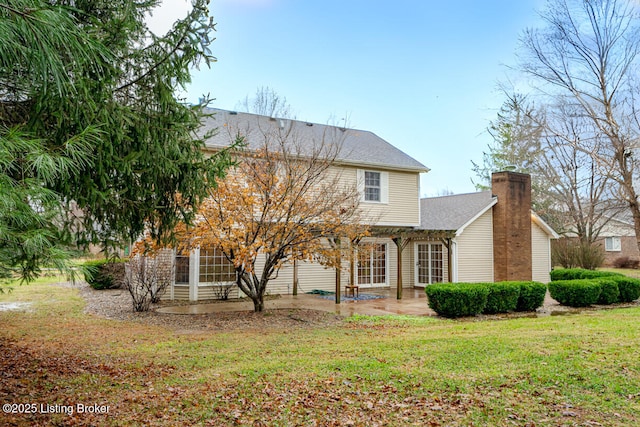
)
(64, 365)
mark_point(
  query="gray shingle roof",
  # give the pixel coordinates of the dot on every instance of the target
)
(357, 146)
(453, 212)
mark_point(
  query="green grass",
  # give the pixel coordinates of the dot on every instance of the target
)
(626, 271)
(392, 370)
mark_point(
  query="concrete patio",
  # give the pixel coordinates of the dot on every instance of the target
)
(413, 302)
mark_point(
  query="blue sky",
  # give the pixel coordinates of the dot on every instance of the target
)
(421, 74)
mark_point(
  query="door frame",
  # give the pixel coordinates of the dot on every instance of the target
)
(416, 262)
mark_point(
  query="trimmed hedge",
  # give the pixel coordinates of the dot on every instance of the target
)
(628, 287)
(457, 299)
(502, 297)
(609, 292)
(531, 296)
(470, 299)
(580, 273)
(575, 293)
(104, 273)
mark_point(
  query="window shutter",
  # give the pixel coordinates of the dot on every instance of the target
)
(384, 187)
(360, 178)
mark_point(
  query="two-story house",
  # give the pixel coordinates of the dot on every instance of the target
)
(406, 249)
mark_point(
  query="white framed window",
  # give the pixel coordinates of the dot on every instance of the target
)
(182, 269)
(372, 264)
(215, 267)
(612, 244)
(430, 263)
(373, 186)
(372, 190)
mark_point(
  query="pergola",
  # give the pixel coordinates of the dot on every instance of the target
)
(401, 236)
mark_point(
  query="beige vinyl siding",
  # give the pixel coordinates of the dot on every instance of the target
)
(312, 275)
(206, 292)
(403, 207)
(475, 250)
(180, 292)
(408, 264)
(540, 254)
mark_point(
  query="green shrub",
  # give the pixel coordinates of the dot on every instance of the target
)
(580, 273)
(457, 299)
(565, 274)
(575, 293)
(629, 288)
(609, 293)
(502, 297)
(531, 295)
(104, 273)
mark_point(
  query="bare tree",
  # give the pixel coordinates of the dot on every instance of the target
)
(580, 191)
(266, 102)
(586, 59)
(570, 189)
(147, 278)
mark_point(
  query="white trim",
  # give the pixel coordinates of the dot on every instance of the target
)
(454, 261)
(173, 275)
(384, 186)
(386, 268)
(476, 216)
(416, 258)
(429, 243)
(545, 227)
(615, 246)
(365, 165)
(194, 274)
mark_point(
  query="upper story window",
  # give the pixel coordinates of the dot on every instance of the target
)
(612, 244)
(373, 186)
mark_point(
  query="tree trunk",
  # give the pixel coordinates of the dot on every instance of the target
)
(258, 303)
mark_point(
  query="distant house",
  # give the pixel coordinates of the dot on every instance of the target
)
(414, 242)
(618, 240)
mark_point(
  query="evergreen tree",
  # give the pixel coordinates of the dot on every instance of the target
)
(94, 144)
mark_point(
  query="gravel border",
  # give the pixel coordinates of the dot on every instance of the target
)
(115, 304)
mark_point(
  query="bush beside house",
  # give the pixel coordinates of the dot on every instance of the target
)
(580, 273)
(470, 299)
(104, 273)
(614, 287)
(457, 299)
(531, 296)
(502, 297)
(609, 292)
(575, 293)
(628, 287)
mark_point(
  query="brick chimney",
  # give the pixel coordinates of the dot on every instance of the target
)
(511, 226)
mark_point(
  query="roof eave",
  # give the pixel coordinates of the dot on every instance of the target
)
(421, 168)
(545, 227)
(414, 169)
